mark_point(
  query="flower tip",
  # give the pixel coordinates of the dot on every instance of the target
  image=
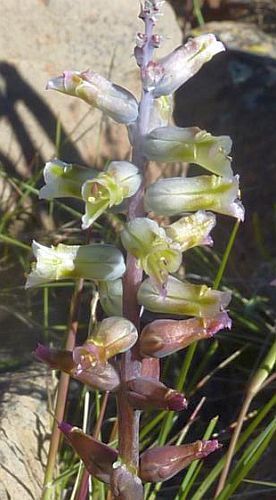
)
(65, 428)
(42, 353)
(177, 401)
(209, 446)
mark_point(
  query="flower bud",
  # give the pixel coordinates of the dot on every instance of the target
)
(145, 393)
(111, 297)
(98, 458)
(92, 262)
(160, 464)
(101, 376)
(149, 243)
(64, 179)
(115, 101)
(191, 145)
(183, 298)
(176, 195)
(125, 485)
(120, 180)
(166, 336)
(192, 230)
(170, 72)
(111, 336)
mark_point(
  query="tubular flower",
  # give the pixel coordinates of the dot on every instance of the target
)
(192, 230)
(111, 297)
(92, 262)
(120, 180)
(111, 336)
(191, 145)
(148, 393)
(160, 464)
(165, 336)
(183, 298)
(115, 101)
(101, 376)
(97, 457)
(154, 251)
(165, 76)
(207, 192)
(64, 179)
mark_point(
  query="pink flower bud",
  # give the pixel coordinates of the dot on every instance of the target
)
(144, 393)
(166, 336)
(102, 376)
(160, 464)
(98, 458)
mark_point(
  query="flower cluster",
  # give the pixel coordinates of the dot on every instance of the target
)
(156, 250)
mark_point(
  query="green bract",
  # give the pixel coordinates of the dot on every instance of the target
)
(64, 179)
(154, 251)
(92, 262)
(120, 180)
(177, 195)
(183, 298)
(191, 145)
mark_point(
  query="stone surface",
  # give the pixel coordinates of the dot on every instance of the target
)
(24, 433)
(38, 40)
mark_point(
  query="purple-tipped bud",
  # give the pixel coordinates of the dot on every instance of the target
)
(101, 375)
(166, 336)
(160, 464)
(148, 393)
(98, 458)
(124, 484)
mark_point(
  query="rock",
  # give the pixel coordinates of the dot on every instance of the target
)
(24, 425)
(38, 40)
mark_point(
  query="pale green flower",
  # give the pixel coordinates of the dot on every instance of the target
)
(110, 188)
(183, 298)
(64, 179)
(192, 230)
(115, 101)
(165, 76)
(111, 297)
(191, 145)
(154, 251)
(92, 262)
(177, 195)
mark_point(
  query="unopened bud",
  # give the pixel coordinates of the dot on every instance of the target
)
(148, 393)
(177, 195)
(117, 102)
(92, 262)
(125, 485)
(119, 181)
(97, 457)
(64, 179)
(183, 298)
(160, 464)
(101, 376)
(166, 336)
(191, 145)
